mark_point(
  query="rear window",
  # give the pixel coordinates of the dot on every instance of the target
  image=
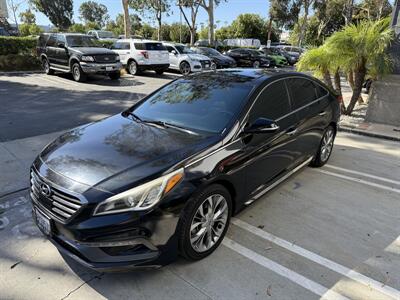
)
(121, 46)
(43, 40)
(302, 90)
(150, 46)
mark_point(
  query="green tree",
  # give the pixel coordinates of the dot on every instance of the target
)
(372, 10)
(193, 7)
(27, 17)
(175, 30)
(117, 26)
(92, 26)
(59, 12)
(361, 48)
(146, 31)
(203, 33)
(209, 6)
(156, 8)
(251, 26)
(284, 12)
(77, 28)
(163, 34)
(91, 11)
(223, 33)
(26, 29)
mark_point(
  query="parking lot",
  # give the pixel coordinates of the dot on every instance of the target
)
(329, 233)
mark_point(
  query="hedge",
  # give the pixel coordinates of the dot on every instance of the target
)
(17, 45)
(19, 62)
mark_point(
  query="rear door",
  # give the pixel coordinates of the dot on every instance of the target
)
(312, 105)
(269, 155)
(157, 52)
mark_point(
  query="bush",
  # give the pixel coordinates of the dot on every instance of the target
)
(29, 29)
(17, 45)
(19, 62)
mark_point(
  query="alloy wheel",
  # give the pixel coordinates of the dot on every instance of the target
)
(46, 65)
(132, 68)
(327, 144)
(208, 223)
(185, 68)
(256, 64)
(76, 72)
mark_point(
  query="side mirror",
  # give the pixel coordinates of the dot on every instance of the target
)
(174, 52)
(105, 46)
(262, 125)
(61, 45)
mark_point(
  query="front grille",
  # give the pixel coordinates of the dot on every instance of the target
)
(62, 205)
(204, 62)
(105, 58)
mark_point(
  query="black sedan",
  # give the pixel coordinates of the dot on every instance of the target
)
(249, 58)
(165, 176)
(221, 61)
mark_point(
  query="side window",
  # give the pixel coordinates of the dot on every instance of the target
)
(61, 39)
(139, 46)
(52, 41)
(321, 92)
(302, 90)
(121, 46)
(272, 103)
(170, 49)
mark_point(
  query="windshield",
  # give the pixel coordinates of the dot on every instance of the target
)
(210, 51)
(205, 103)
(105, 34)
(81, 41)
(184, 50)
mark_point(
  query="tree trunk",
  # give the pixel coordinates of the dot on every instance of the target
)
(338, 89)
(127, 20)
(327, 79)
(192, 35)
(210, 11)
(349, 12)
(350, 78)
(303, 27)
(159, 29)
(359, 77)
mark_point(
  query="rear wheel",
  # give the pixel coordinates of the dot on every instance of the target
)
(184, 67)
(204, 222)
(256, 64)
(159, 72)
(46, 67)
(77, 73)
(325, 148)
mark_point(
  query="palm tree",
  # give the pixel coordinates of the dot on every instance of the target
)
(361, 49)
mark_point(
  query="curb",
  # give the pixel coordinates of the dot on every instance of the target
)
(20, 72)
(369, 134)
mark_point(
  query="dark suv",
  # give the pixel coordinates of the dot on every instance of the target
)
(78, 54)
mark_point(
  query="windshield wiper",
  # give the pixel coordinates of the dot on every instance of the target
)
(169, 125)
(136, 117)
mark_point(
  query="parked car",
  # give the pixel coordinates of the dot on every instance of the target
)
(292, 58)
(249, 58)
(140, 55)
(78, 54)
(274, 55)
(102, 35)
(165, 176)
(185, 60)
(219, 60)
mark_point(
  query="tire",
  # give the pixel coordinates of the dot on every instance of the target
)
(133, 68)
(77, 73)
(191, 246)
(115, 75)
(159, 72)
(213, 66)
(185, 68)
(256, 64)
(46, 67)
(322, 156)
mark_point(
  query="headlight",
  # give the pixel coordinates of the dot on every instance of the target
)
(195, 60)
(87, 58)
(117, 58)
(141, 197)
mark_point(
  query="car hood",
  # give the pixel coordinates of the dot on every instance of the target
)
(198, 56)
(116, 152)
(92, 50)
(223, 59)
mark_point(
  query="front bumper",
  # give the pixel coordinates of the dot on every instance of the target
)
(100, 68)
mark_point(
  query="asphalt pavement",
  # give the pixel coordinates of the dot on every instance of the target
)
(329, 233)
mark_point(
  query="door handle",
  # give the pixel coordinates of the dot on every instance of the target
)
(322, 113)
(291, 131)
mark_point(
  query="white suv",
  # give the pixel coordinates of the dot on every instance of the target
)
(141, 55)
(185, 60)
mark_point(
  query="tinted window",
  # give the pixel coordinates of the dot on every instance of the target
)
(205, 102)
(121, 46)
(321, 92)
(302, 90)
(43, 40)
(154, 46)
(52, 41)
(60, 39)
(170, 49)
(139, 46)
(272, 103)
(81, 41)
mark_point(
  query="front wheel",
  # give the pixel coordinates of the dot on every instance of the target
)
(185, 69)
(256, 64)
(204, 222)
(46, 67)
(77, 73)
(133, 68)
(325, 148)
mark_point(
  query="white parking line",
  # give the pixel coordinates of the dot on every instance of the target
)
(369, 282)
(300, 280)
(384, 187)
(364, 174)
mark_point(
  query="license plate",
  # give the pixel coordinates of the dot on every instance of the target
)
(109, 68)
(207, 65)
(43, 222)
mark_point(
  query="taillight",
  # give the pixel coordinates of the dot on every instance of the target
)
(145, 54)
(340, 99)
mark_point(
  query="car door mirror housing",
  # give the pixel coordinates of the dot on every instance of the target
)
(262, 125)
(61, 45)
(173, 52)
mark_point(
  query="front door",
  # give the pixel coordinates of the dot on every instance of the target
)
(123, 49)
(173, 57)
(62, 56)
(269, 155)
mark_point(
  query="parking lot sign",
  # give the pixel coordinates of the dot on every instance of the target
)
(3, 9)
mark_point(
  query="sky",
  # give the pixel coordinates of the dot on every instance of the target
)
(226, 12)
